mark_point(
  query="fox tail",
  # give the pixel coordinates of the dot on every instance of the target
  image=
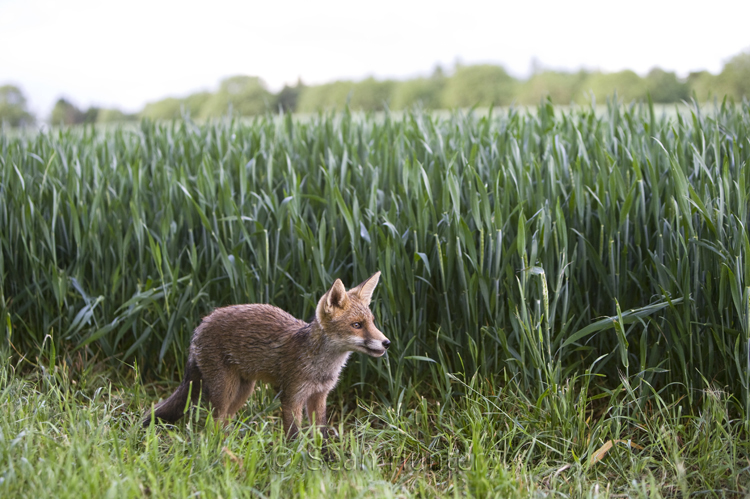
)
(172, 409)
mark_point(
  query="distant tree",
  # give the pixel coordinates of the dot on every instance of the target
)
(13, 110)
(371, 94)
(65, 113)
(483, 85)
(247, 96)
(468, 86)
(164, 109)
(627, 84)
(326, 96)
(366, 95)
(90, 115)
(287, 98)
(193, 103)
(173, 108)
(560, 87)
(426, 91)
(704, 85)
(113, 116)
(735, 76)
(664, 86)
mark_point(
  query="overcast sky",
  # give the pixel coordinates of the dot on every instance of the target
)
(124, 54)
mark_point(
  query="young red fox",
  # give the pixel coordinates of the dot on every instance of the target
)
(236, 346)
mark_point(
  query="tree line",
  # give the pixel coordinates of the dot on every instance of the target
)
(465, 86)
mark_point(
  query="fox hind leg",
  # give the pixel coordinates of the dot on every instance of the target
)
(222, 389)
(244, 390)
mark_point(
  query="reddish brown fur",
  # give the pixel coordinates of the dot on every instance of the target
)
(236, 346)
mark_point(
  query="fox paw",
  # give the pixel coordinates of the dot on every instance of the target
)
(329, 433)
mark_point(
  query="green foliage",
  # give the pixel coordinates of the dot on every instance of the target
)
(627, 84)
(13, 107)
(194, 103)
(173, 108)
(74, 431)
(113, 116)
(559, 87)
(426, 92)
(164, 109)
(503, 241)
(704, 86)
(469, 86)
(245, 95)
(91, 115)
(366, 95)
(483, 85)
(736, 76)
(564, 292)
(326, 96)
(287, 98)
(566, 88)
(664, 87)
(65, 113)
(371, 94)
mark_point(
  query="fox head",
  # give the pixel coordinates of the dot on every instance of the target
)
(347, 320)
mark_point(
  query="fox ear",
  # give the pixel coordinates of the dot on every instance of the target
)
(335, 298)
(365, 290)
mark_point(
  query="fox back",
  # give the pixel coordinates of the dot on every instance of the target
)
(236, 346)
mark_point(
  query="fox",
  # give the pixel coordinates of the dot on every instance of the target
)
(236, 346)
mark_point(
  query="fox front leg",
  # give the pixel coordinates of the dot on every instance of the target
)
(291, 413)
(316, 409)
(316, 413)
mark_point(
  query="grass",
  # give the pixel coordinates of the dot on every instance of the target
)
(73, 434)
(567, 293)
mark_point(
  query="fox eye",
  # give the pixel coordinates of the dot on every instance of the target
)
(357, 325)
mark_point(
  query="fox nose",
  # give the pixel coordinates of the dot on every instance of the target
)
(386, 344)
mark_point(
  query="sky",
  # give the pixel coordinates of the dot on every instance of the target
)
(127, 53)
